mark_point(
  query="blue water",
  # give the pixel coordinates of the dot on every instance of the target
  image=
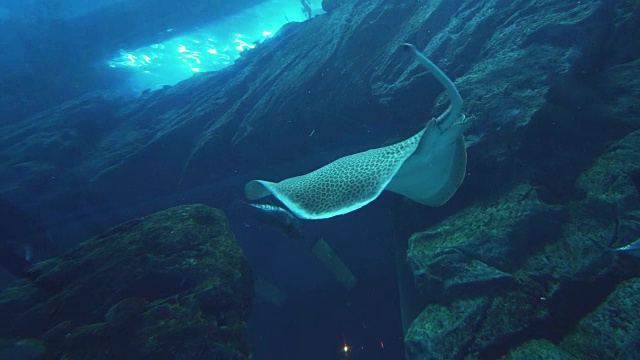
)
(112, 110)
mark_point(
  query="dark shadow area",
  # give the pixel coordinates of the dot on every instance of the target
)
(565, 309)
(316, 324)
(563, 140)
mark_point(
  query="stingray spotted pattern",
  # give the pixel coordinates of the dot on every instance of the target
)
(340, 187)
(427, 167)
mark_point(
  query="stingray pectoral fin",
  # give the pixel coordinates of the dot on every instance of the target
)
(340, 187)
(457, 172)
(257, 189)
(456, 176)
(435, 171)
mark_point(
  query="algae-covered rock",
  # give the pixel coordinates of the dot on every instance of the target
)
(473, 252)
(612, 184)
(615, 176)
(612, 331)
(538, 349)
(539, 270)
(443, 331)
(174, 284)
(622, 89)
(471, 328)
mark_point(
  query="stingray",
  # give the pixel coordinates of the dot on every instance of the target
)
(428, 167)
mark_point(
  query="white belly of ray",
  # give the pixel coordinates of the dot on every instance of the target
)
(433, 173)
(427, 168)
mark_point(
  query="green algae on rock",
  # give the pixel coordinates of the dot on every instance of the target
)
(475, 250)
(513, 276)
(612, 331)
(175, 282)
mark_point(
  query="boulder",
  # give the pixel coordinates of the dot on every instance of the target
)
(174, 284)
(474, 251)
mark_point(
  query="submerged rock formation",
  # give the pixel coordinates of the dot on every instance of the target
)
(514, 276)
(174, 284)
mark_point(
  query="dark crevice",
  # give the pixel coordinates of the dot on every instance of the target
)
(555, 167)
(566, 308)
(635, 178)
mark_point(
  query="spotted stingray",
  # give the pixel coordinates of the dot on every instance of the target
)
(428, 167)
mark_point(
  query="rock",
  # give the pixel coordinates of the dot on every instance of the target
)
(473, 328)
(614, 178)
(562, 273)
(613, 186)
(473, 277)
(473, 252)
(172, 282)
(621, 89)
(126, 311)
(442, 332)
(538, 349)
(25, 349)
(330, 5)
(612, 331)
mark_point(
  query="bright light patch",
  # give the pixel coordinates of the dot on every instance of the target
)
(243, 45)
(212, 47)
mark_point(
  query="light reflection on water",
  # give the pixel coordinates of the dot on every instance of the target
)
(209, 48)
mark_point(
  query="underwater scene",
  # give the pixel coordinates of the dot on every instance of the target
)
(319, 179)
